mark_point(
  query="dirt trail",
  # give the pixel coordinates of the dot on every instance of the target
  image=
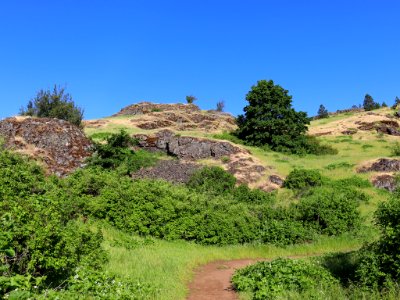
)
(213, 281)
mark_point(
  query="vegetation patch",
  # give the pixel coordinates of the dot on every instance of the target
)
(281, 277)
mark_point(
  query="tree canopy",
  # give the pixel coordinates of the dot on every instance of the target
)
(54, 104)
(269, 118)
(322, 112)
(369, 103)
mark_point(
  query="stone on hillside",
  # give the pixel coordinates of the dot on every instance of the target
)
(382, 165)
(186, 147)
(148, 107)
(385, 181)
(61, 146)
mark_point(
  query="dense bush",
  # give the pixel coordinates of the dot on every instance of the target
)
(380, 261)
(331, 211)
(281, 277)
(210, 211)
(41, 243)
(300, 179)
(55, 104)
(213, 180)
(117, 153)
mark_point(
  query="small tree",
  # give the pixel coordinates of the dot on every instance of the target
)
(190, 99)
(369, 103)
(55, 104)
(269, 118)
(220, 106)
(322, 112)
(384, 104)
(396, 103)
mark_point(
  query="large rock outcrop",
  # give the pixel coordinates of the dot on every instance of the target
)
(390, 127)
(381, 165)
(186, 147)
(59, 145)
(149, 107)
(236, 160)
(179, 117)
(385, 181)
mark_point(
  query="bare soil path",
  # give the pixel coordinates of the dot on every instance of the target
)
(213, 281)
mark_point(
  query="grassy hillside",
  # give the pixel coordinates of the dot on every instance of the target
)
(154, 234)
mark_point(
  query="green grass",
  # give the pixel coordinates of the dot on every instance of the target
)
(170, 265)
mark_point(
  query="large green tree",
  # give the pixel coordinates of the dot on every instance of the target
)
(269, 118)
(54, 104)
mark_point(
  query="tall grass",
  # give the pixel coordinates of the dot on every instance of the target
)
(169, 266)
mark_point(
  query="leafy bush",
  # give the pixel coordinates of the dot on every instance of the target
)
(213, 180)
(41, 241)
(331, 211)
(300, 179)
(271, 280)
(311, 145)
(55, 104)
(380, 261)
(190, 99)
(116, 153)
(396, 149)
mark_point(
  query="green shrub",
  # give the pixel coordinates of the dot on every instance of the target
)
(254, 196)
(300, 179)
(396, 149)
(41, 241)
(380, 261)
(331, 211)
(352, 182)
(55, 104)
(116, 153)
(213, 180)
(271, 280)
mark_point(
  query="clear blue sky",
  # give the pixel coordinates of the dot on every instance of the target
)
(110, 54)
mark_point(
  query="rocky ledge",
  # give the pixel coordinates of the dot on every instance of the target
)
(236, 160)
(59, 145)
(186, 147)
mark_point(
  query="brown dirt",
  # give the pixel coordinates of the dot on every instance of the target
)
(213, 281)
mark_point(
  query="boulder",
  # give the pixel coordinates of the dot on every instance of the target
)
(61, 146)
(385, 181)
(186, 147)
(382, 165)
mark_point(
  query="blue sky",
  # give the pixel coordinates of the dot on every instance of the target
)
(110, 54)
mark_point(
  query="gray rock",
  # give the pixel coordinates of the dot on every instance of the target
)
(187, 147)
(387, 182)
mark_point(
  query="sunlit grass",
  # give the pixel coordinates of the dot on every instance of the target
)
(169, 266)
